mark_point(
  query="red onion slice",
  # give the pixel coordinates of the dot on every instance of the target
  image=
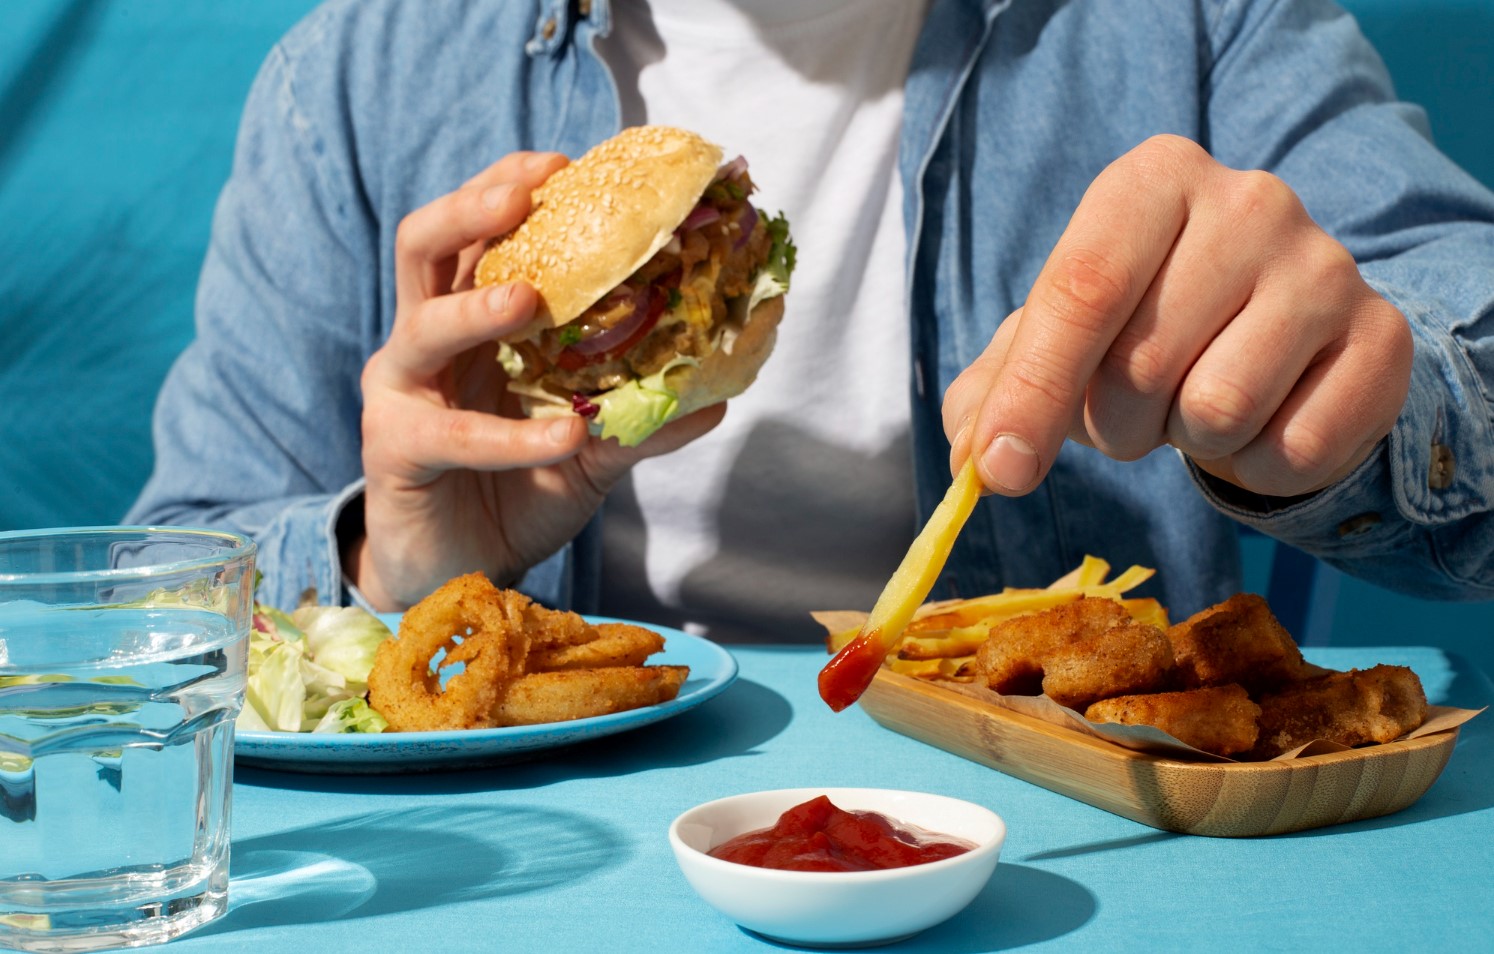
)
(734, 168)
(747, 221)
(582, 405)
(618, 333)
(702, 214)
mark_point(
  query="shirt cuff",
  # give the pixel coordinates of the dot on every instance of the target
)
(300, 554)
(1426, 473)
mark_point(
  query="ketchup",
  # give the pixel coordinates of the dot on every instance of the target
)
(818, 836)
(846, 677)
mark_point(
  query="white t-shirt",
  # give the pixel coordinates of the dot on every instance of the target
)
(802, 498)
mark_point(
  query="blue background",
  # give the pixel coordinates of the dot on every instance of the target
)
(117, 122)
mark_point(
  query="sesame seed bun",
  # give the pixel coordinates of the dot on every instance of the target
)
(649, 239)
(596, 221)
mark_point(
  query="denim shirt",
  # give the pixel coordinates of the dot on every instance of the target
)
(370, 108)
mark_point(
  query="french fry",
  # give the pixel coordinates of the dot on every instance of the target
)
(1147, 610)
(953, 642)
(847, 675)
(951, 668)
(941, 637)
(837, 641)
(1003, 605)
(1090, 572)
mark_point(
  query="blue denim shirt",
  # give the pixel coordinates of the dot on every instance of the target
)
(371, 108)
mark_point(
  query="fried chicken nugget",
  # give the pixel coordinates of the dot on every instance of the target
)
(466, 619)
(1237, 641)
(1010, 661)
(1127, 658)
(583, 693)
(1352, 708)
(1218, 719)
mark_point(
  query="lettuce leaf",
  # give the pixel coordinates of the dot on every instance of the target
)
(306, 665)
(351, 715)
(773, 279)
(633, 411)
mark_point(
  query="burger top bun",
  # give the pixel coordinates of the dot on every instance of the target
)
(599, 219)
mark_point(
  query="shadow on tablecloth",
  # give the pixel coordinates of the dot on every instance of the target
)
(382, 863)
(740, 720)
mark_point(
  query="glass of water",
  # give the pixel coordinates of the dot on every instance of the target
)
(122, 662)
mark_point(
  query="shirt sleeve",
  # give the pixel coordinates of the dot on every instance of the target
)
(256, 428)
(1297, 90)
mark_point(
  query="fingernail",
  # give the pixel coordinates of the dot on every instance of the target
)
(560, 431)
(494, 198)
(1011, 462)
(534, 162)
(965, 423)
(497, 298)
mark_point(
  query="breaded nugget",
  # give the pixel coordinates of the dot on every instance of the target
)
(1351, 708)
(1127, 658)
(1219, 719)
(1010, 661)
(1237, 641)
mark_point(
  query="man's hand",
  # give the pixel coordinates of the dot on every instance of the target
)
(1192, 305)
(456, 480)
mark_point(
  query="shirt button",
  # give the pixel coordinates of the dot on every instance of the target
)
(1440, 474)
(1356, 526)
(548, 30)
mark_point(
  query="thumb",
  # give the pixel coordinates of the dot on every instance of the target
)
(1006, 458)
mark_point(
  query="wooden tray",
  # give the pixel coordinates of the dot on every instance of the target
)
(1228, 799)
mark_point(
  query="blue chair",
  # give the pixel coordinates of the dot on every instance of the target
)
(1302, 590)
(117, 127)
(1441, 55)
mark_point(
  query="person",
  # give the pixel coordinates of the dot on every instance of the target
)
(1160, 269)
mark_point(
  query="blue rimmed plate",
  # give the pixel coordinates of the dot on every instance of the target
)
(712, 670)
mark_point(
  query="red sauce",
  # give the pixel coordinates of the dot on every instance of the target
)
(817, 836)
(846, 677)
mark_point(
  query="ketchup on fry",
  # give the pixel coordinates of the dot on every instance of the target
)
(818, 836)
(846, 677)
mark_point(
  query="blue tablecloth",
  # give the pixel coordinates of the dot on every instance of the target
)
(568, 852)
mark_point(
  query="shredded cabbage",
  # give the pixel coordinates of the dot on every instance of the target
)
(308, 670)
(351, 715)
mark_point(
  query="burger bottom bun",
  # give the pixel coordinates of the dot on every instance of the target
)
(721, 375)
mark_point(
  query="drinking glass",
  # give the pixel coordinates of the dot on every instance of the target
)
(122, 662)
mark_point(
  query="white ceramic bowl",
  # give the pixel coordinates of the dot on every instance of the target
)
(837, 908)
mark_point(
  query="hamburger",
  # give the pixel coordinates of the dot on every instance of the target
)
(660, 286)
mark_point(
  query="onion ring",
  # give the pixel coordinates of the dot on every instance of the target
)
(468, 619)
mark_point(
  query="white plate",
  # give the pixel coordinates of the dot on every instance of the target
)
(712, 669)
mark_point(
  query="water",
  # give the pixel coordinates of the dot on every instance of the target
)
(116, 747)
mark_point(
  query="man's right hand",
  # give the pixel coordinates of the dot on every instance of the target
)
(456, 479)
